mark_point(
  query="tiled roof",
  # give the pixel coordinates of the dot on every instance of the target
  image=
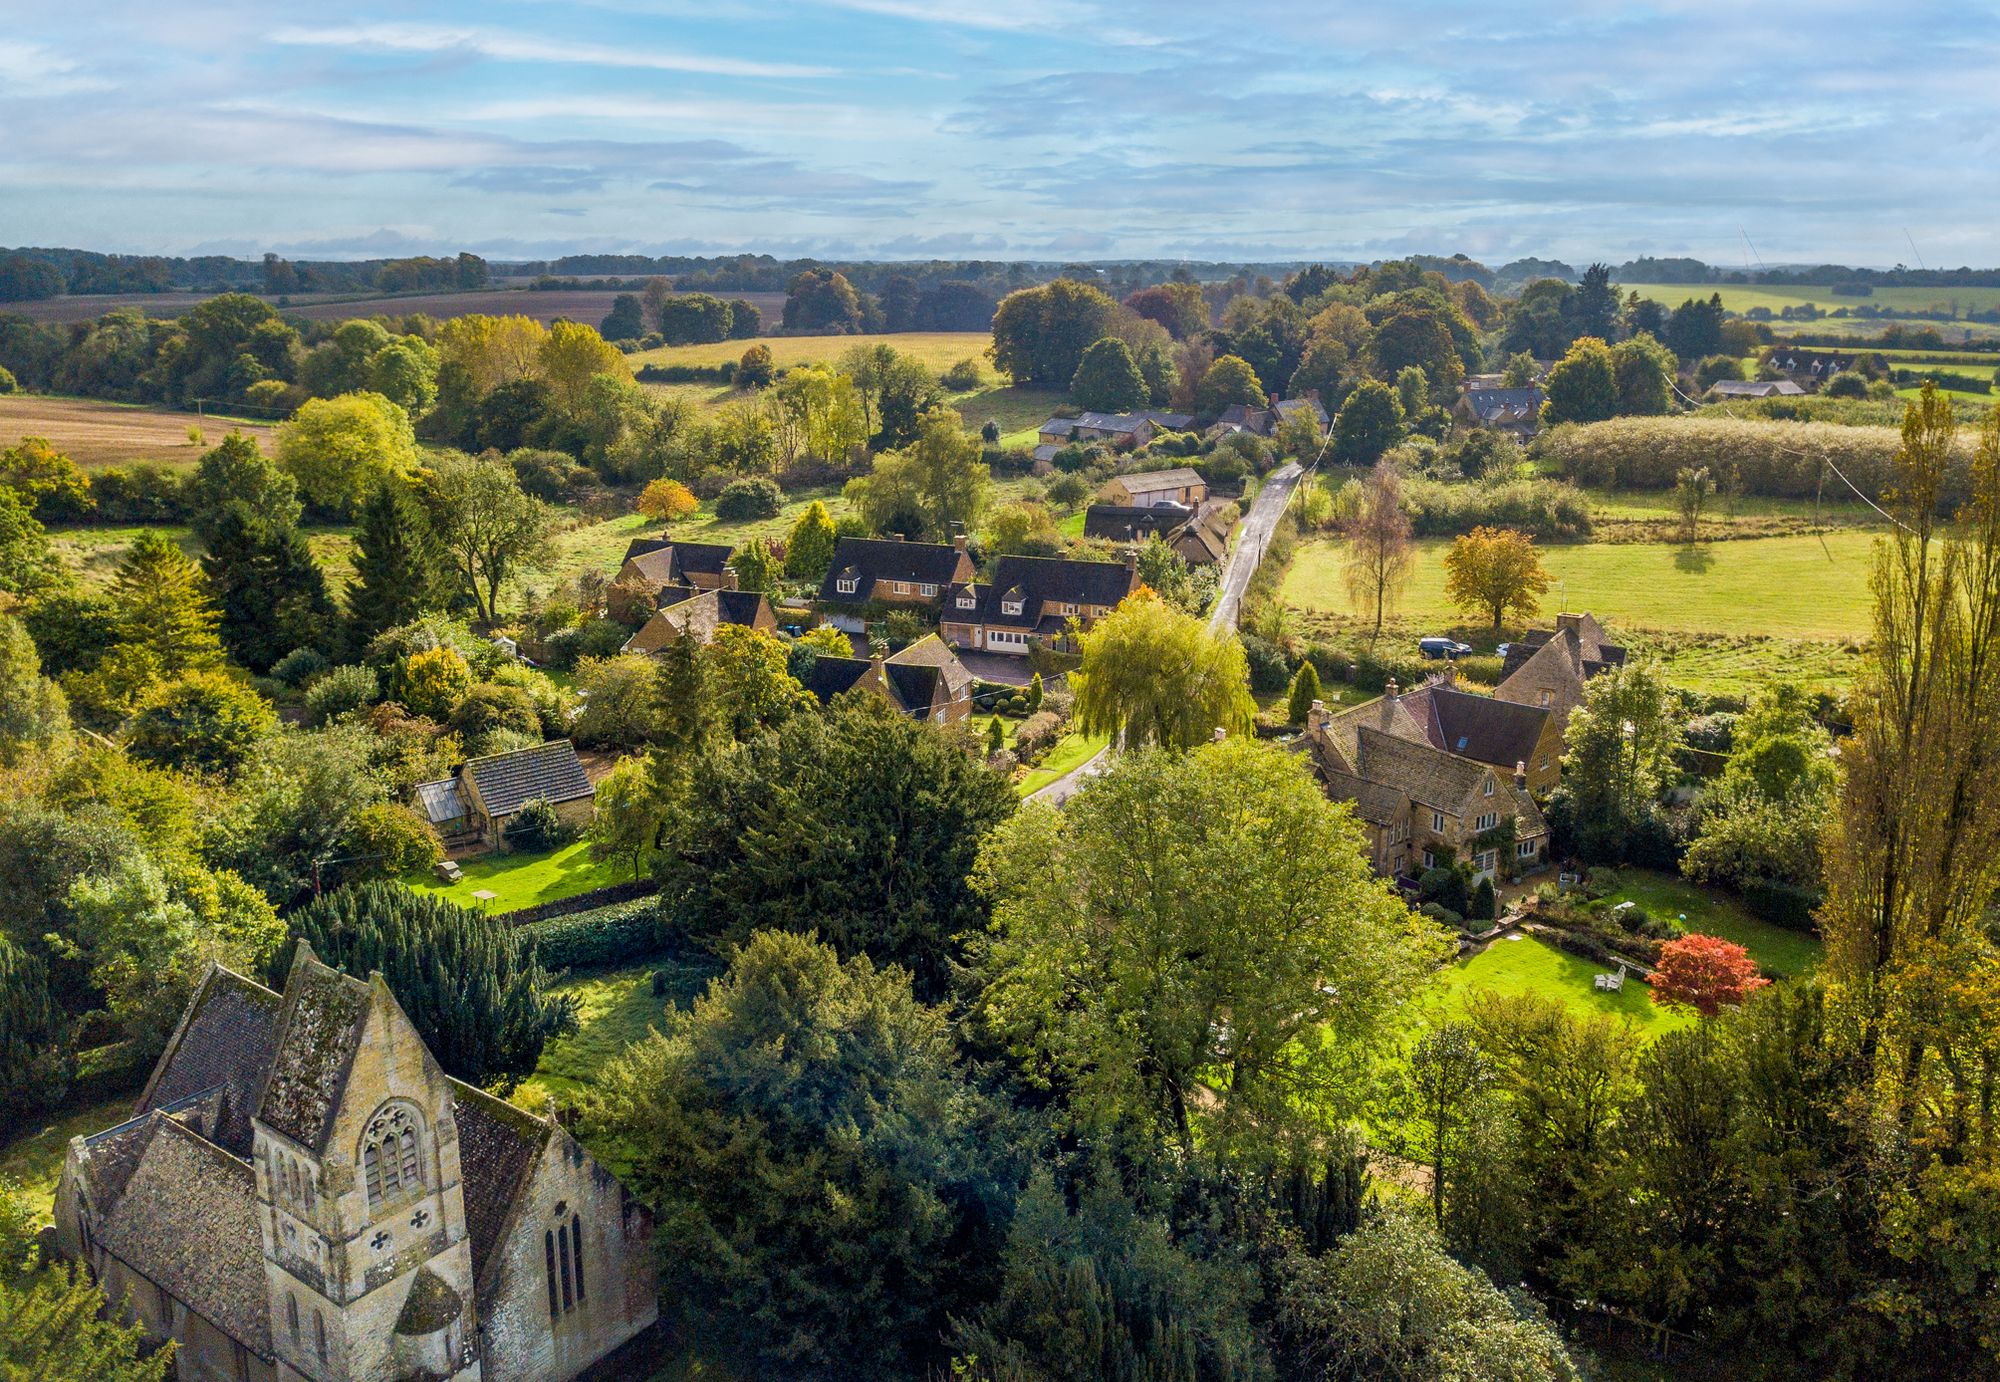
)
(1491, 405)
(548, 772)
(188, 1221)
(913, 687)
(497, 1143)
(1420, 772)
(1343, 728)
(699, 615)
(1374, 802)
(744, 607)
(868, 560)
(656, 566)
(1133, 522)
(832, 675)
(324, 1012)
(930, 651)
(1497, 732)
(1172, 422)
(666, 562)
(225, 1041)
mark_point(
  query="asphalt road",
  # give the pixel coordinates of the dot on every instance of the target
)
(1253, 536)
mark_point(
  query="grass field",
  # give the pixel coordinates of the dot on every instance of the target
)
(525, 880)
(1789, 587)
(94, 433)
(1519, 964)
(1943, 303)
(938, 349)
(1787, 954)
(587, 305)
(33, 1159)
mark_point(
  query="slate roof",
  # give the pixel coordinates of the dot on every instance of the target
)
(1133, 522)
(1172, 422)
(225, 1041)
(1287, 406)
(868, 560)
(930, 651)
(497, 1144)
(666, 562)
(1497, 732)
(1755, 388)
(548, 772)
(1591, 650)
(1038, 582)
(324, 1012)
(832, 675)
(187, 1219)
(1244, 418)
(1504, 405)
(699, 615)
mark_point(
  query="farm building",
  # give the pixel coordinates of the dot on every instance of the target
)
(480, 800)
(1143, 489)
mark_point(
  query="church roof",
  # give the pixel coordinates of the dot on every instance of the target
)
(224, 1041)
(187, 1220)
(497, 1143)
(323, 1017)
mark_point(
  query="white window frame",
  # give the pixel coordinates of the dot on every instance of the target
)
(968, 601)
(1488, 789)
(847, 585)
(1010, 606)
(1487, 821)
(902, 587)
(927, 589)
(1437, 822)
(1525, 849)
(1430, 860)
(1484, 861)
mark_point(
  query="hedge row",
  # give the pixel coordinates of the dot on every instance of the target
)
(1548, 510)
(724, 373)
(614, 935)
(1777, 459)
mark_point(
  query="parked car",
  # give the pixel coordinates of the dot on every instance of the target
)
(1435, 648)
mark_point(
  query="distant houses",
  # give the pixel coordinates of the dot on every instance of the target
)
(1517, 412)
(1754, 388)
(1264, 420)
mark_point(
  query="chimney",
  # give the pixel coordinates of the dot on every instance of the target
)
(1449, 676)
(1132, 559)
(1317, 718)
(1569, 621)
(1219, 735)
(1389, 696)
(1521, 776)
(958, 542)
(1312, 395)
(1274, 401)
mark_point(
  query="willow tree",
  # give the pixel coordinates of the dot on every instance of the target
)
(1153, 674)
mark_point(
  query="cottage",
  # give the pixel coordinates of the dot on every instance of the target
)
(686, 613)
(1033, 598)
(1423, 805)
(1200, 537)
(925, 681)
(302, 1193)
(1241, 417)
(1285, 409)
(1548, 667)
(878, 571)
(1146, 488)
(661, 562)
(1517, 412)
(1125, 430)
(478, 802)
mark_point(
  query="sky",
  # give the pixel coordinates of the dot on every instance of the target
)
(1042, 129)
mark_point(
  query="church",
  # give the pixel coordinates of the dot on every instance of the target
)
(305, 1196)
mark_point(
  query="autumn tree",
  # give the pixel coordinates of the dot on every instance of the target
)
(665, 500)
(1041, 333)
(1494, 571)
(938, 484)
(809, 546)
(339, 449)
(1704, 973)
(1152, 674)
(1378, 553)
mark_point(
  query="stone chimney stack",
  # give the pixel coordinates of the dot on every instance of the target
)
(1132, 559)
(1521, 776)
(1390, 695)
(1569, 621)
(1317, 718)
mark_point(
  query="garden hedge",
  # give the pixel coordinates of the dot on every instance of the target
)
(614, 935)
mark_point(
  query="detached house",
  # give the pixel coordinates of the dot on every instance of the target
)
(483, 797)
(1423, 805)
(1146, 488)
(303, 1193)
(1517, 412)
(1200, 538)
(1507, 735)
(660, 562)
(1548, 667)
(877, 571)
(925, 681)
(1034, 597)
(685, 613)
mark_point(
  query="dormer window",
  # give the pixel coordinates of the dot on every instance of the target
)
(847, 585)
(967, 600)
(1010, 606)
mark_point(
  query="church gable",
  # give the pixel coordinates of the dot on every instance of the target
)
(324, 1012)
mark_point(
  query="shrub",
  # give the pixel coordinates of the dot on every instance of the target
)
(1446, 887)
(1443, 916)
(432, 682)
(538, 827)
(203, 722)
(1548, 510)
(964, 377)
(7, 384)
(1485, 902)
(1038, 734)
(341, 692)
(1782, 904)
(614, 935)
(300, 666)
(37, 1038)
(487, 708)
(753, 496)
(1268, 670)
(403, 841)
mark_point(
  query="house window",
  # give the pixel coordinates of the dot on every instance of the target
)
(562, 1255)
(967, 601)
(292, 1314)
(1548, 696)
(1487, 790)
(847, 585)
(1487, 821)
(1437, 822)
(1010, 606)
(1430, 860)
(319, 1332)
(1484, 861)
(549, 1252)
(1545, 765)
(1525, 850)
(927, 589)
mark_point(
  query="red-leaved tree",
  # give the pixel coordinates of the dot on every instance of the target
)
(1705, 972)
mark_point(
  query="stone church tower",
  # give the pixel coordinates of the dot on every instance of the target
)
(356, 1154)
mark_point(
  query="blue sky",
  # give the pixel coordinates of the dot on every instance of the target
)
(1012, 129)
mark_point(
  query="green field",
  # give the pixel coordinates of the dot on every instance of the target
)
(1071, 753)
(33, 1160)
(1517, 964)
(1787, 954)
(526, 880)
(1943, 303)
(938, 349)
(1799, 587)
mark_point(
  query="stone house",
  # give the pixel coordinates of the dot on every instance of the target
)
(303, 1195)
(1422, 805)
(1148, 488)
(1517, 412)
(1507, 735)
(1548, 667)
(1200, 537)
(881, 571)
(925, 681)
(480, 800)
(1032, 598)
(688, 613)
(660, 562)
(1125, 430)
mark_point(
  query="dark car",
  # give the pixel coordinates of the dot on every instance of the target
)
(1435, 648)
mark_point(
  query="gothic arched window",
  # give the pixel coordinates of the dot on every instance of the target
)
(292, 1314)
(391, 1156)
(576, 1251)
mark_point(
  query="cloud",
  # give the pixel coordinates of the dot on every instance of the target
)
(505, 46)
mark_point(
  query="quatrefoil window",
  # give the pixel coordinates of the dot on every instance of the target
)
(420, 1218)
(380, 1241)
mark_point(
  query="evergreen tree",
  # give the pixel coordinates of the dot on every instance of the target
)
(33, 709)
(269, 591)
(1035, 694)
(37, 1038)
(396, 564)
(1305, 690)
(50, 1329)
(164, 607)
(472, 985)
(809, 549)
(996, 737)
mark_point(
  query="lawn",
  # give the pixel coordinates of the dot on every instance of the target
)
(526, 880)
(93, 553)
(1942, 303)
(1518, 964)
(34, 1160)
(1802, 587)
(1072, 752)
(1780, 952)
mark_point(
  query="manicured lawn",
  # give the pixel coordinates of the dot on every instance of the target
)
(33, 1160)
(1793, 587)
(1785, 953)
(526, 880)
(1527, 964)
(1072, 752)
